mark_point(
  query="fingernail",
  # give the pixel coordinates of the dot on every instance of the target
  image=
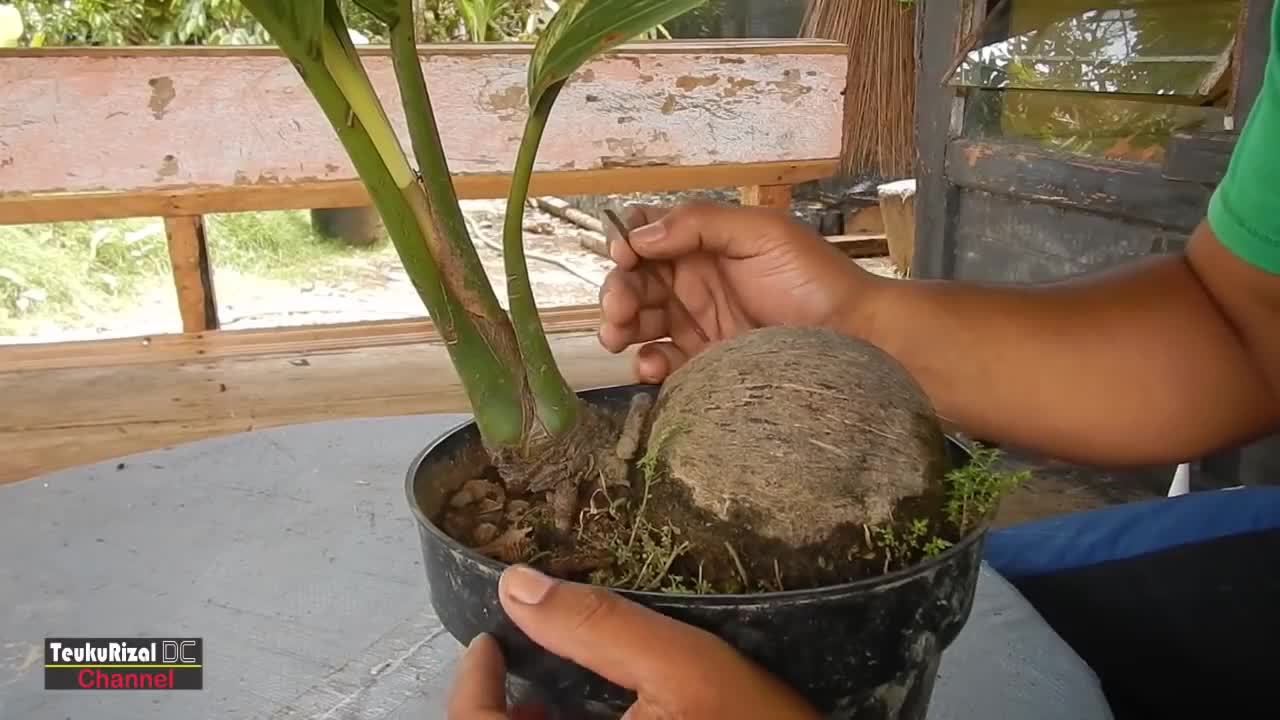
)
(527, 586)
(648, 234)
(476, 640)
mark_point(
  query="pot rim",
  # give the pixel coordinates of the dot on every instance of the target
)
(650, 597)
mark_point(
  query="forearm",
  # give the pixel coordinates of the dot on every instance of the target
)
(1135, 366)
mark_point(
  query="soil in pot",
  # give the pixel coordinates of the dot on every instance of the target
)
(783, 459)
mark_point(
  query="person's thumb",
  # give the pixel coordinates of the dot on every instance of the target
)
(737, 232)
(625, 643)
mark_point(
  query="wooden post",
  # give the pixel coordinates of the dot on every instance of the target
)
(192, 276)
(940, 28)
(898, 210)
(1253, 47)
(774, 196)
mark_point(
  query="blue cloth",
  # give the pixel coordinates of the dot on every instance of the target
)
(1127, 531)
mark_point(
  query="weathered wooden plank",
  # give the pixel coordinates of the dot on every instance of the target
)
(773, 196)
(291, 341)
(1254, 52)
(1001, 239)
(91, 122)
(1199, 157)
(192, 276)
(1107, 187)
(71, 416)
(351, 193)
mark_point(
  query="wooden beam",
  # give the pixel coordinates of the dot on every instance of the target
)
(773, 196)
(62, 417)
(192, 276)
(861, 245)
(58, 207)
(1135, 191)
(563, 210)
(291, 341)
(185, 121)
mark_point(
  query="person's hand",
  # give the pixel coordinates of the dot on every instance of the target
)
(676, 670)
(734, 269)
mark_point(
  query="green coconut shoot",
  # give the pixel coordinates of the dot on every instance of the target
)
(516, 390)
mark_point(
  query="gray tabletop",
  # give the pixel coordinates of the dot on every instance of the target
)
(292, 553)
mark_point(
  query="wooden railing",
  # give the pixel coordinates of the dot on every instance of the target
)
(177, 133)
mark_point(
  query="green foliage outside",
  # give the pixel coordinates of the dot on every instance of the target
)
(151, 22)
(68, 270)
(226, 22)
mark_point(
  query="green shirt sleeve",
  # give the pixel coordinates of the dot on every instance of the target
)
(1244, 211)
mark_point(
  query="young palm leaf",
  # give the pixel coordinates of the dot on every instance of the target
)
(580, 30)
(295, 26)
(583, 29)
(387, 11)
(478, 15)
(505, 363)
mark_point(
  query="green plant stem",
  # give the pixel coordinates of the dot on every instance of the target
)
(476, 15)
(341, 87)
(437, 181)
(555, 402)
(453, 248)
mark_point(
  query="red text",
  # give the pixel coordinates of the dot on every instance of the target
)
(91, 679)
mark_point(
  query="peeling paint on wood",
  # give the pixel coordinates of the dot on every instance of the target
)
(689, 82)
(976, 151)
(161, 95)
(168, 168)
(91, 122)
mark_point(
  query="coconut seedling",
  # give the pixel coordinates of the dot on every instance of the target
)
(781, 459)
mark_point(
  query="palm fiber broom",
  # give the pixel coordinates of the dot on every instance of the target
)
(879, 109)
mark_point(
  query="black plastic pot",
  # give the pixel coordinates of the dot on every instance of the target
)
(867, 650)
